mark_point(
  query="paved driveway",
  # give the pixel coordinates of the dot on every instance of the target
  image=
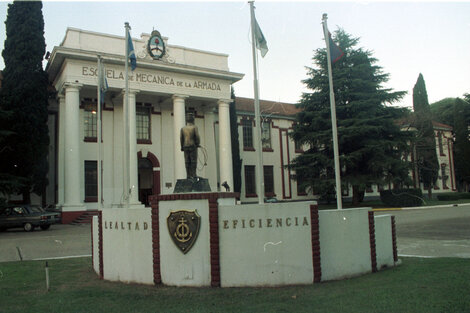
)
(434, 232)
(58, 241)
(430, 232)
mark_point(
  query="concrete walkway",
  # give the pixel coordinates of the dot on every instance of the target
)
(432, 231)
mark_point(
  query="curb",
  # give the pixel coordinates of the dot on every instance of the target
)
(386, 209)
(421, 207)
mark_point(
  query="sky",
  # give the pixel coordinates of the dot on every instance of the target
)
(407, 38)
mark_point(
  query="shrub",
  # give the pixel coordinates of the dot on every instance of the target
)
(452, 196)
(402, 197)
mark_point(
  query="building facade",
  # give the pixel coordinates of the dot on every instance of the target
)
(161, 93)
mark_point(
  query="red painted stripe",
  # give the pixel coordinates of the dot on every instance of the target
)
(100, 243)
(373, 252)
(451, 164)
(214, 241)
(92, 247)
(157, 275)
(316, 255)
(394, 240)
(282, 165)
(288, 163)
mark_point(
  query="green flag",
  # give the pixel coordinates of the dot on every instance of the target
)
(261, 43)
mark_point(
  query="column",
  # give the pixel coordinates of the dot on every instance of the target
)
(61, 150)
(225, 143)
(179, 121)
(117, 148)
(73, 165)
(210, 171)
(167, 160)
(133, 165)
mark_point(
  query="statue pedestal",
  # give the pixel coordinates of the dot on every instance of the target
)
(196, 184)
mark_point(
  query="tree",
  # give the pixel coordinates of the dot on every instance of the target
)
(236, 161)
(462, 144)
(371, 144)
(8, 183)
(456, 113)
(24, 93)
(442, 111)
(427, 163)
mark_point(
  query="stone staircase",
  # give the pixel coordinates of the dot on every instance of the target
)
(85, 218)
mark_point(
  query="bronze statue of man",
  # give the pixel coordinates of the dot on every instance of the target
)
(189, 138)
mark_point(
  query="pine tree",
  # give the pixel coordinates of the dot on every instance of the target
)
(371, 144)
(236, 161)
(24, 93)
(427, 163)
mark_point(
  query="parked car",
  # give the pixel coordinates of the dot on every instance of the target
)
(26, 216)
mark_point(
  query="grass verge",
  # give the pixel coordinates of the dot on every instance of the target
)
(418, 285)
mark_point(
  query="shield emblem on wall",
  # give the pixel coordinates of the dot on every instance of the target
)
(183, 227)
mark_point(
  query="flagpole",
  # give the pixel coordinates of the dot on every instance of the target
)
(125, 122)
(333, 116)
(259, 146)
(98, 135)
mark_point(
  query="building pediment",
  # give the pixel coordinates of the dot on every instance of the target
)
(182, 70)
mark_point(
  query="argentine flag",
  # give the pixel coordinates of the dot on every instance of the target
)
(130, 52)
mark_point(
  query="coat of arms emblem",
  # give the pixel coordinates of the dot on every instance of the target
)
(184, 228)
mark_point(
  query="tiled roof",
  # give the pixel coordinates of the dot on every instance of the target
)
(266, 107)
(408, 121)
(440, 125)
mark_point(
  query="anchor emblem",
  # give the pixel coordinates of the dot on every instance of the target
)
(183, 227)
(182, 233)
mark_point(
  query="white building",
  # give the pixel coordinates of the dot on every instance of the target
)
(161, 92)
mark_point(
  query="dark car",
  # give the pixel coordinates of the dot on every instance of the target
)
(26, 216)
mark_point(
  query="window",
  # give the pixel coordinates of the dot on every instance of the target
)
(444, 176)
(143, 124)
(441, 147)
(247, 134)
(269, 181)
(91, 181)
(298, 147)
(250, 181)
(266, 135)
(90, 121)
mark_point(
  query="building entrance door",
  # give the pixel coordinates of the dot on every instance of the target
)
(149, 176)
(145, 180)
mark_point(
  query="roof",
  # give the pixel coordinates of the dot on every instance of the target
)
(408, 122)
(441, 125)
(266, 107)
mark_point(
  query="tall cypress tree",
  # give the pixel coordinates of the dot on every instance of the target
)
(371, 145)
(24, 93)
(427, 163)
(8, 183)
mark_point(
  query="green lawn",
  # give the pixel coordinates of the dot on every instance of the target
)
(418, 285)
